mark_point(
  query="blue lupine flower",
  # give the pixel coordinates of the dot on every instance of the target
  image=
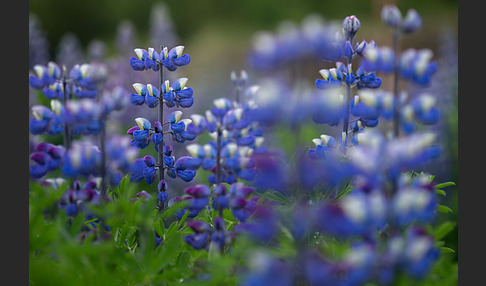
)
(414, 202)
(417, 66)
(76, 199)
(322, 144)
(183, 94)
(178, 94)
(327, 107)
(367, 79)
(54, 91)
(82, 75)
(136, 170)
(44, 75)
(358, 264)
(419, 253)
(414, 151)
(379, 59)
(82, 159)
(141, 133)
(206, 154)
(143, 168)
(81, 111)
(198, 124)
(179, 127)
(113, 100)
(175, 58)
(331, 78)
(45, 158)
(200, 193)
(425, 110)
(221, 199)
(202, 236)
(179, 168)
(146, 59)
(221, 107)
(261, 226)
(149, 171)
(241, 206)
(46, 120)
(366, 105)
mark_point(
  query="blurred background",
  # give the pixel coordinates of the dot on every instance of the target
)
(219, 34)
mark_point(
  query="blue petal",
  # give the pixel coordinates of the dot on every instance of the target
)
(169, 64)
(136, 99)
(157, 139)
(186, 92)
(140, 134)
(149, 64)
(186, 175)
(169, 96)
(186, 102)
(136, 64)
(169, 161)
(246, 141)
(182, 60)
(178, 127)
(36, 82)
(208, 163)
(188, 135)
(152, 101)
(38, 126)
(149, 175)
(247, 174)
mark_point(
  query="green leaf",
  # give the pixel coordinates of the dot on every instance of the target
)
(274, 196)
(440, 192)
(444, 209)
(444, 229)
(183, 218)
(447, 250)
(159, 227)
(443, 185)
(168, 250)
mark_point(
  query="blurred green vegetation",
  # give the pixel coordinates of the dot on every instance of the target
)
(90, 19)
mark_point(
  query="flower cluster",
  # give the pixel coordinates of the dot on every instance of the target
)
(151, 59)
(236, 137)
(175, 95)
(235, 197)
(57, 83)
(313, 39)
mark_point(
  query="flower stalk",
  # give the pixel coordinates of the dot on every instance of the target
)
(161, 205)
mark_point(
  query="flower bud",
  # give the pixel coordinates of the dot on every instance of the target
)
(351, 25)
(391, 16)
(412, 22)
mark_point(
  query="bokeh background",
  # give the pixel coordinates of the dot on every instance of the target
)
(218, 34)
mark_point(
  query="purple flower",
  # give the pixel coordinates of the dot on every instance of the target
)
(45, 158)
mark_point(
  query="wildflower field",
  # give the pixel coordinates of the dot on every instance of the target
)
(318, 150)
